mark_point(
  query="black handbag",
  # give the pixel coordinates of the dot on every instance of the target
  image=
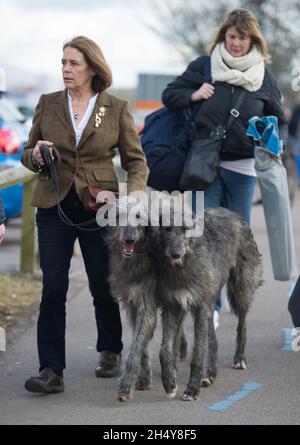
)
(203, 159)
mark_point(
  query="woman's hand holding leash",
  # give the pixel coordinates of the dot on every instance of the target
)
(36, 154)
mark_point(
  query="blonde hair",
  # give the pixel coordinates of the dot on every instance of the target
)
(246, 24)
(95, 60)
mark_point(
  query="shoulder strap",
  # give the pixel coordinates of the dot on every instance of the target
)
(191, 114)
(234, 111)
(207, 69)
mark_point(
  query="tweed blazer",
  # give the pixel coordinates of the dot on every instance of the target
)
(90, 163)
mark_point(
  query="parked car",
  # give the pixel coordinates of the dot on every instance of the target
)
(13, 135)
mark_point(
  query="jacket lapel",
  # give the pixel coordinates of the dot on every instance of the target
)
(103, 100)
(62, 112)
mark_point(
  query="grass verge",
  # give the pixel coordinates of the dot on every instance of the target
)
(19, 293)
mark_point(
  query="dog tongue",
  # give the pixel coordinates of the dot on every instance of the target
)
(128, 248)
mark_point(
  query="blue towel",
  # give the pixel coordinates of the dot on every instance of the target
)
(265, 131)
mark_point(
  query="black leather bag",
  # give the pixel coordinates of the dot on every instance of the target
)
(200, 168)
(203, 159)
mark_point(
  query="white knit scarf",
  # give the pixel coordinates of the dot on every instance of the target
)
(246, 71)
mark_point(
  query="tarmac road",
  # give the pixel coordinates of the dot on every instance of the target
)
(272, 398)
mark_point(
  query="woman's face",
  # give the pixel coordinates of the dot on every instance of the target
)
(237, 44)
(76, 72)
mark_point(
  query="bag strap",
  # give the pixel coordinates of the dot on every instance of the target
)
(191, 114)
(234, 112)
(220, 131)
(207, 70)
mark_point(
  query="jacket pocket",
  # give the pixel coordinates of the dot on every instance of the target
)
(104, 178)
(104, 174)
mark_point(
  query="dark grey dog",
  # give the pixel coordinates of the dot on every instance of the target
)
(133, 282)
(192, 272)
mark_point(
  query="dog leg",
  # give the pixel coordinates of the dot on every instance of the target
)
(145, 377)
(171, 322)
(243, 281)
(239, 298)
(143, 330)
(239, 357)
(212, 356)
(196, 373)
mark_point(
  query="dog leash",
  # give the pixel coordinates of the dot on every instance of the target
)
(50, 169)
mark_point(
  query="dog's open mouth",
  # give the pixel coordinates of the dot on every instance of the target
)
(128, 248)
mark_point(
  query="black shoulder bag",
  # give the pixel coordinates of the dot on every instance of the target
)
(203, 159)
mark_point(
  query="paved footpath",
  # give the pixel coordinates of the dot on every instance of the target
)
(267, 393)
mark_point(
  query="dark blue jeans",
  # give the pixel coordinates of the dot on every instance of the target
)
(56, 243)
(233, 191)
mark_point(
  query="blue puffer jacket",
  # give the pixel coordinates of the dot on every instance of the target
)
(2, 215)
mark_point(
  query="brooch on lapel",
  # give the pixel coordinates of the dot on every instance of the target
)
(99, 116)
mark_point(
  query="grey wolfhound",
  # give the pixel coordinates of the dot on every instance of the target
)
(153, 268)
(133, 282)
(192, 272)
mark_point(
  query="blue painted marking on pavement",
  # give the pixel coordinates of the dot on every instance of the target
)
(247, 389)
(288, 339)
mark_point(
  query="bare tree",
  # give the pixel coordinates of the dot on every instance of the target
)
(190, 26)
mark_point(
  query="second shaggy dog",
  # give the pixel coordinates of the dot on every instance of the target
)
(192, 272)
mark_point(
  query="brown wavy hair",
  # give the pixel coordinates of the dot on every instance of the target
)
(95, 60)
(246, 24)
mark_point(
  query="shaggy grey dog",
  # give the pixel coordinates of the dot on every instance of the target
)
(192, 272)
(133, 282)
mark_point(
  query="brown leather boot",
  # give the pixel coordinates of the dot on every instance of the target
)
(109, 364)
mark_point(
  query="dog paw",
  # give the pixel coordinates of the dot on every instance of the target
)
(125, 394)
(190, 395)
(240, 364)
(143, 385)
(171, 393)
(207, 381)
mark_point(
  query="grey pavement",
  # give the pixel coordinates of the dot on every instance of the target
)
(92, 401)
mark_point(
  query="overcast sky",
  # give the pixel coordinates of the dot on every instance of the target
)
(33, 31)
